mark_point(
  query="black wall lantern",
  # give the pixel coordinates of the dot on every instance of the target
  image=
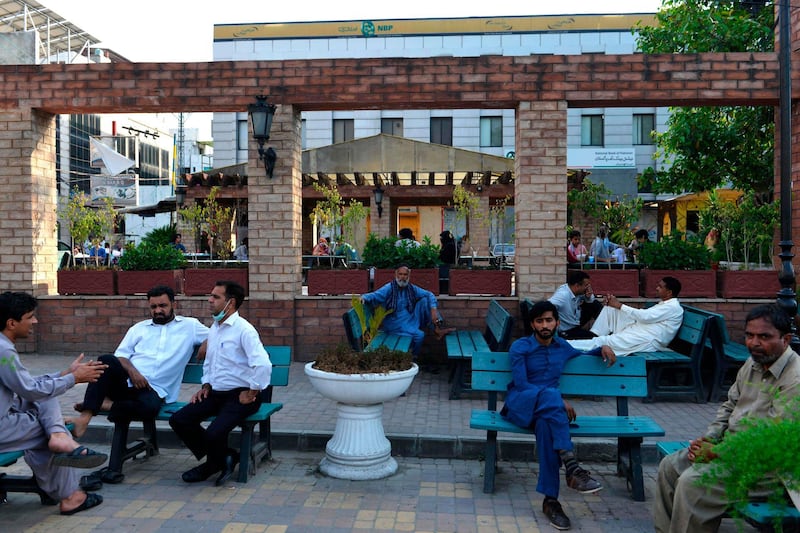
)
(261, 113)
(378, 200)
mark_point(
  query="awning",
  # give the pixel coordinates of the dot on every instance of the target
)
(167, 205)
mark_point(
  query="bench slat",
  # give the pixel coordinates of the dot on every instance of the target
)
(589, 426)
(9, 458)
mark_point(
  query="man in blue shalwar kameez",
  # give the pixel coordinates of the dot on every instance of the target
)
(412, 309)
(534, 401)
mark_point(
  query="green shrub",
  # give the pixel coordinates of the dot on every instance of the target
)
(160, 236)
(152, 257)
(674, 253)
(381, 252)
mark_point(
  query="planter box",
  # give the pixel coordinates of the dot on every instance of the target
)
(489, 282)
(748, 283)
(694, 283)
(427, 278)
(141, 281)
(200, 281)
(332, 282)
(102, 282)
(616, 282)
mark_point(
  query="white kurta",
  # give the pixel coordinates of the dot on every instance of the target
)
(627, 329)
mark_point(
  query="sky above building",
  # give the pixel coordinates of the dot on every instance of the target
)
(182, 31)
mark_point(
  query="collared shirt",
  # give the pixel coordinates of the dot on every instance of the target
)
(753, 393)
(160, 351)
(235, 357)
(569, 307)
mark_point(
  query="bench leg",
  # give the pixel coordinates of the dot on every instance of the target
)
(490, 467)
(629, 464)
(265, 437)
(458, 380)
(246, 458)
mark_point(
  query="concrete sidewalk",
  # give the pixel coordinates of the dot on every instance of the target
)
(440, 492)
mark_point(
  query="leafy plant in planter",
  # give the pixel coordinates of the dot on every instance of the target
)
(766, 450)
(342, 219)
(147, 265)
(370, 320)
(342, 359)
(85, 221)
(688, 261)
(385, 256)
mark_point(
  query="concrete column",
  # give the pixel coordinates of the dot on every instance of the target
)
(28, 227)
(479, 228)
(540, 197)
(275, 212)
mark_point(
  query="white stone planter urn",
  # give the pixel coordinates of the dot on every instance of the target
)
(359, 448)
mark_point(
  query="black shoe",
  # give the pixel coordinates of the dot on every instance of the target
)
(198, 473)
(91, 482)
(227, 470)
(553, 511)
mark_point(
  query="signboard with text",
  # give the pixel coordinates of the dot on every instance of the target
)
(601, 158)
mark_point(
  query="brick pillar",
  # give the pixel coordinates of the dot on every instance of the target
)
(28, 227)
(275, 212)
(479, 229)
(540, 197)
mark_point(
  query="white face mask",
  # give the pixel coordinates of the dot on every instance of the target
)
(219, 316)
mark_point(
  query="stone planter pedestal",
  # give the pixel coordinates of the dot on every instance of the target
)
(359, 448)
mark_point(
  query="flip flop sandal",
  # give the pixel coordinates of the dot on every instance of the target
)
(91, 482)
(77, 459)
(92, 500)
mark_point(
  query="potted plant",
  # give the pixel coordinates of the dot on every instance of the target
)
(84, 222)
(744, 232)
(688, 261)
(334, 277)
(385, 256)
(151, 263)
(762, 456)
(360, 382)
(212, 217)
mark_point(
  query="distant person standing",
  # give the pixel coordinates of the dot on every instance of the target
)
(447, 255)
(407, 239)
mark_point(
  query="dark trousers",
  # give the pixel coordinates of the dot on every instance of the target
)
(129, 403)
(212, 441)
(589, 311)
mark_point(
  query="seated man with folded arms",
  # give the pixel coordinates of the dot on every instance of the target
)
(146, 369)
(30, 414)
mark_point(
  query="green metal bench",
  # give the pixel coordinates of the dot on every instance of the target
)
(462, 344)
(761, 515)
(583, 376)
(355, 336)
(685, 353)
(13, 483)
(730, 357)
(252, 447)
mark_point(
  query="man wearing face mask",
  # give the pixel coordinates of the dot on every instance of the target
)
(147, 367)
(235, 371)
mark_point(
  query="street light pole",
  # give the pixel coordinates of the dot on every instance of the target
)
(786, 296)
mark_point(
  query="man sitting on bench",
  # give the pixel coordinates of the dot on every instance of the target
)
(534, 401)
(681, 502)
(413, 309)
(626, 329)
(146, 369)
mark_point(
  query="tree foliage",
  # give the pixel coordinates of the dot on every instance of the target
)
(707, 147)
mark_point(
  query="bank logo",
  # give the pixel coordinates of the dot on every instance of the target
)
(368, 29)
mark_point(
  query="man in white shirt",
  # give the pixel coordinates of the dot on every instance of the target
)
(236, 369)
(577, 306)
(147, 367)
(626, 329)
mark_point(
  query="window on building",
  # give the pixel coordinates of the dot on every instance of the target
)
(343, 129)
(643, 126)
(241, 134)
(592, 130)
(442, 130)
(303, 134)
(80, 128)
(491, 131)
(392, 126)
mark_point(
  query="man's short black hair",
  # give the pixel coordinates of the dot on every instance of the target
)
(576, 276)
(773, 314)
(160, 290)
(574, 233)
(541, 307)
(642, 234)
(232, 290)
(673, 285)
(13, 305)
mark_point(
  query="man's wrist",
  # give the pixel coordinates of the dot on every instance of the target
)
(206, 387)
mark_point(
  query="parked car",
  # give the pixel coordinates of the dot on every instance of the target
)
(503, 255)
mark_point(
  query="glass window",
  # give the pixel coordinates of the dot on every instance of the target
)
(241, 134)
(392, 126)
(491, 131)
(442, 130)
(343, 129)
(643, 126)
(592, 130)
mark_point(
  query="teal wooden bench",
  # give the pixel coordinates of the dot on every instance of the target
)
(355, 336)
(462, 344)
(252, 447)
(761, 515)
(730, 357)
(684, 354)
(584, 375)
(13, 483)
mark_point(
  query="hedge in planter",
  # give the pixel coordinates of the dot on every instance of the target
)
(688, 261)
(147, 265)
(386, 255)
(200, 281)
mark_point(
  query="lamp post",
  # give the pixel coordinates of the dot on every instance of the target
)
(379, 200)
(261, 114)
(786, 296)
